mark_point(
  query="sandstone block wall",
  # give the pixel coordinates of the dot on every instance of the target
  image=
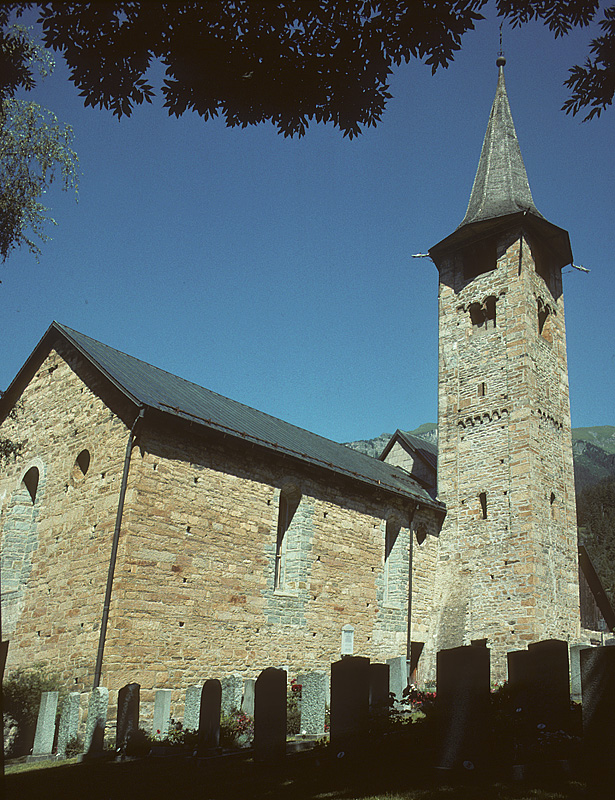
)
(507, 569)
(55, 549)
(193, 594)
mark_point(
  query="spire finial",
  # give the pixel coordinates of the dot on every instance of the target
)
(500, 61)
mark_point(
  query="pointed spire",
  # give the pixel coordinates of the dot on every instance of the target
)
(501, 186)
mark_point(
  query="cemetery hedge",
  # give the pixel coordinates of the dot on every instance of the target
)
(21, 696)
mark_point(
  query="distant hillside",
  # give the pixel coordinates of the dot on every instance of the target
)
(593, 450)
(373, 447)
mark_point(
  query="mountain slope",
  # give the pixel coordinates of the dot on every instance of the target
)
(593, 450)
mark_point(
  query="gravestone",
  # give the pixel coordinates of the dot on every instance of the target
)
(347, 640)
(398, 676)
(576, 693)
(247, 702)
(462, 705)
(232, 693)
(69, 722)
(209, 718)
(192, 708)
(96, 721)
(162, 713)
(45, 724)
(313, 702)
(539, 683)
(127, 715)
(379, 688)
(270, 715)
(349, 702)
(598, 685)
(551, 683)
(519, 674)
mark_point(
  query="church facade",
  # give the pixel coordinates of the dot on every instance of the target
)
(240, 541)
(157, 532)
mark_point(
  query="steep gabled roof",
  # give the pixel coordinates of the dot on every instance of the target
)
(501, 199)
(150, 387)
(501, 186)
(425, 450)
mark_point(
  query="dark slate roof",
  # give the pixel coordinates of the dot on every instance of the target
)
(501, 186)
(501, 198)
(427, 450)
(154, 388)
(424, 449)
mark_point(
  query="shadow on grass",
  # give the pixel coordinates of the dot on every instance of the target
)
(388, 770)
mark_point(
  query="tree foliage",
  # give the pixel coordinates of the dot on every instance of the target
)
(21, 690)
(20, 56)
(596, 509)
(289, 62)
(596, 519)
(34, 146)
(593, 84)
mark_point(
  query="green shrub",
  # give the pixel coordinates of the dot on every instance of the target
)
(177, 735)
(236, 729)
(74, 747)
(21, 690)
(293, 708)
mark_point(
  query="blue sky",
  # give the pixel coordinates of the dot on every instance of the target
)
(279, 273)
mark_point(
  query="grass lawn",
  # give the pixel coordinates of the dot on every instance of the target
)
(302, 777)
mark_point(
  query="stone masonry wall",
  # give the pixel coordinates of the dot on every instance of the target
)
(193, 594)
(507, 569)
(55, 550)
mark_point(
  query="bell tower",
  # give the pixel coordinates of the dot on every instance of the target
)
(507, 573)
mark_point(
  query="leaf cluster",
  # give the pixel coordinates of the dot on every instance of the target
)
(289, 62)
(593, 84)
(21, 57)
(34, 149)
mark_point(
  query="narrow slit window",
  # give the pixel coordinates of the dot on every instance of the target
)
(483, 504)
(489, 306)
(289, 503)
(544, 313)
(481, 389)
(392, 555)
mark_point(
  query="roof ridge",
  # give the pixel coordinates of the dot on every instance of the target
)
(164, 391)
(199, 386)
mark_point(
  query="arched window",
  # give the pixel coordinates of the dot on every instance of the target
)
(483, 315)
(81, 465)
(287, 543)
(30, 482)
(393, 561)
(544, 319)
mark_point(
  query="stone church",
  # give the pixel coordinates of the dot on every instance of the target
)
(154, 531)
